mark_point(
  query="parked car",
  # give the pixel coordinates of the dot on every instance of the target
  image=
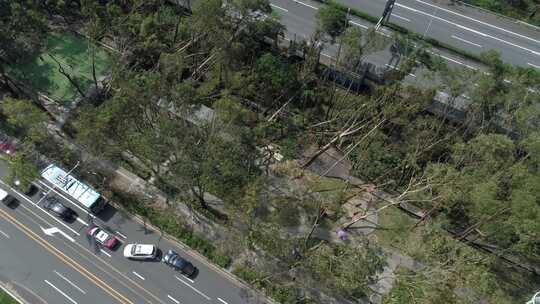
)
(53, 205)
(174, 260)
(140, 251)
(535, 299)
(8, 148)
(8, 199)
(101, 236)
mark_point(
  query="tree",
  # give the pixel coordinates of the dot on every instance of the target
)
(25, 116)
(22, 170)
(332, 20)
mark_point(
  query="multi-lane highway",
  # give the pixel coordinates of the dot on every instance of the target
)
(462, 27)
(46, 260)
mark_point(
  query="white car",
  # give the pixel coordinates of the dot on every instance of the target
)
(535, 299)
(140, 251)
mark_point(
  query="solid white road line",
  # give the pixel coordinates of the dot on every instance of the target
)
(455, 61)
(481, 22)
(278, 7)
(105, 252)
(195, 289)
(222, 301)
(305, 4)
(399, 17)
(120, 234)
(358, 24)
(31, 202)
(81, 221)
(470, 29)
(4, 234)
(466, 41)
(192, 282)
(534, 65)
(67, 199)
(140, 276)
(70, 283)
(60, 292)
(44, 211)
(173, 299)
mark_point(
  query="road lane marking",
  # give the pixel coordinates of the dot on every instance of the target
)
(104, 252)
(70, 283)
(195, 289)
(31, 202)
(305, 4)
(454, 61)
(4, 234)
(67, 199)
(399, 17)
(470, 29)
(51, 231)
(466, 41)
(222, 301)
(278, 7)
(481, 22)
(140, 276)
(358, 24)
(81, 221)
(66, 259)
(173, 299)
(120, 234)
(60, 292)
(533, 65)
(192, 282)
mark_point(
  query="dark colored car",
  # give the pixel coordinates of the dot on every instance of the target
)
(53, 204)
(174, 260)
(103, 237)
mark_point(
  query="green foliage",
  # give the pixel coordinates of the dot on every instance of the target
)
(346, 269)
(21, 169)
(25, 116)
(166, 221)
(261, 280)
(6, 299)
(332, 20)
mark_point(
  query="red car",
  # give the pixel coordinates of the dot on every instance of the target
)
(101, 236)
(7, 148)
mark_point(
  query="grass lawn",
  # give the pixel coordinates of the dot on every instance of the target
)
(6, 299)
(74, 54)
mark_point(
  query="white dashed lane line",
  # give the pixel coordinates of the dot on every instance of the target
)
(60, 292)
(534, 65)
(222, 301)
(138, 275)
(121, 235)
(173, 299)
(466, 41)
(69, 282)
(399, 17)
(279, 7)
(305, 4)
(105, 252)
(195, 289)
(4, 234)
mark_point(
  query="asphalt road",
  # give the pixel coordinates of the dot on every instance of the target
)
(463, 27)
(68, 267)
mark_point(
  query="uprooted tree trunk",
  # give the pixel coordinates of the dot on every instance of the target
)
(415, 185)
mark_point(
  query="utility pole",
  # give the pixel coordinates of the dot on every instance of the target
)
(386, 13)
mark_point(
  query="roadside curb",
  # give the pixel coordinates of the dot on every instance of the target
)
(11, 294)
(194, 253)
(512, 19)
